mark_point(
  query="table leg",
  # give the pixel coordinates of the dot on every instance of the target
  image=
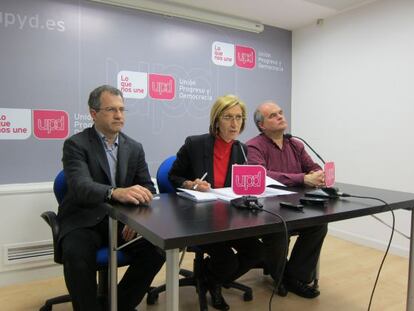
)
(113, 265)
(172, 279)
(410, 293)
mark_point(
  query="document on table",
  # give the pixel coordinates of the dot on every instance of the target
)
(225, 194)
(272, 182)
(196, 196)
(274, 192)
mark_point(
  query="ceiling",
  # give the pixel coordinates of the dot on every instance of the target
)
(286, 14)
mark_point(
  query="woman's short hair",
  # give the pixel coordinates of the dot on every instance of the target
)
(221, 104)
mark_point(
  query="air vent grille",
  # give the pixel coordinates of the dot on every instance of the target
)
(28, 252)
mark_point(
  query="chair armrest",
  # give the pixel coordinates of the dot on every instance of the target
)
(51, 219)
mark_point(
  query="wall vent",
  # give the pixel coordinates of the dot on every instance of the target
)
(28, 252)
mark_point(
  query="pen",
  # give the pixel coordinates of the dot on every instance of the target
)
(201, 179)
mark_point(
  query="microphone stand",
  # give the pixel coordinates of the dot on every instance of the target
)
(304, 141)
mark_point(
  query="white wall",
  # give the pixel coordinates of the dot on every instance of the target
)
(20, 222)
(353, 99)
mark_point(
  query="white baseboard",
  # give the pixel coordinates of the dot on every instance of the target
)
(29, 188)
(369, 242)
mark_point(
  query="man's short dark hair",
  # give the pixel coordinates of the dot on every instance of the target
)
(94, 101)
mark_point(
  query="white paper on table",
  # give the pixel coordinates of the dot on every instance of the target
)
(227, 194)
(271, 182)
(196, 196)
(275, 192)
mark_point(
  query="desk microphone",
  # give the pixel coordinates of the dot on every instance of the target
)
(248, 202)
(331, 191)
(242, 150)
(288, 136)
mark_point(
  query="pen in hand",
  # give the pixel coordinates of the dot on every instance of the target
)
(201, 179)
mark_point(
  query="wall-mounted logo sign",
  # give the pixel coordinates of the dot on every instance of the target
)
(50, 124)
(136, 84)
(161, 86)
(133, 84)
(245, 57)
(224, 54)
(248, 179)
(15, 123)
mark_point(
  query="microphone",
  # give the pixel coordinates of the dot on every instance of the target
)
(288, 136)
(244, 154)
(330, 191)
(333, 191)
(248, 202)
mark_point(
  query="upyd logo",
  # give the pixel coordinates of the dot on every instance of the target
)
(135, 84)
(15, 123)
(245, 57)
(248, 179)
(161, 86)
(224, 54)
(50, 124)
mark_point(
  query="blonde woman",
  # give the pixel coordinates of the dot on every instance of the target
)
(214, 153)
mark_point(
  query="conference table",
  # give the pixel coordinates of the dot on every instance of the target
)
(171, 222)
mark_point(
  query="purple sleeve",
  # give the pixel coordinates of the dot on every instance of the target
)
(256, 156)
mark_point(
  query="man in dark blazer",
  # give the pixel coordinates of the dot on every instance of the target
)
(101, 164)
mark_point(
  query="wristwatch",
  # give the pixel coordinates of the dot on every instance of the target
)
(109, 194)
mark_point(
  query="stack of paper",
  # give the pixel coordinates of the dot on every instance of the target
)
(272, 182)
(225, 194)
(196, 196)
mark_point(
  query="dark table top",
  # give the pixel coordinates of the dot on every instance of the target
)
(174, 222)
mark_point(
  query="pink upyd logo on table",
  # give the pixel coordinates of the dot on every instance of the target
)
(248, 179)
(329, 174)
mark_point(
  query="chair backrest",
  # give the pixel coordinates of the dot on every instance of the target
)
(60, 186)
(164, 185)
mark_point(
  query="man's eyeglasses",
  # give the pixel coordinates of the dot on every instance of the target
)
(112, 110)
(229, 118)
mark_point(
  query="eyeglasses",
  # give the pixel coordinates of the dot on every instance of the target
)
(229, 118)
(113, 110)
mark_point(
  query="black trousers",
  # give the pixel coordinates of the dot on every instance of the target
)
(303, 257)
(224, 265)
(79, 249)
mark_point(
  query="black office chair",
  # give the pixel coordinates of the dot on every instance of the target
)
(190, 278)
(60, 189)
